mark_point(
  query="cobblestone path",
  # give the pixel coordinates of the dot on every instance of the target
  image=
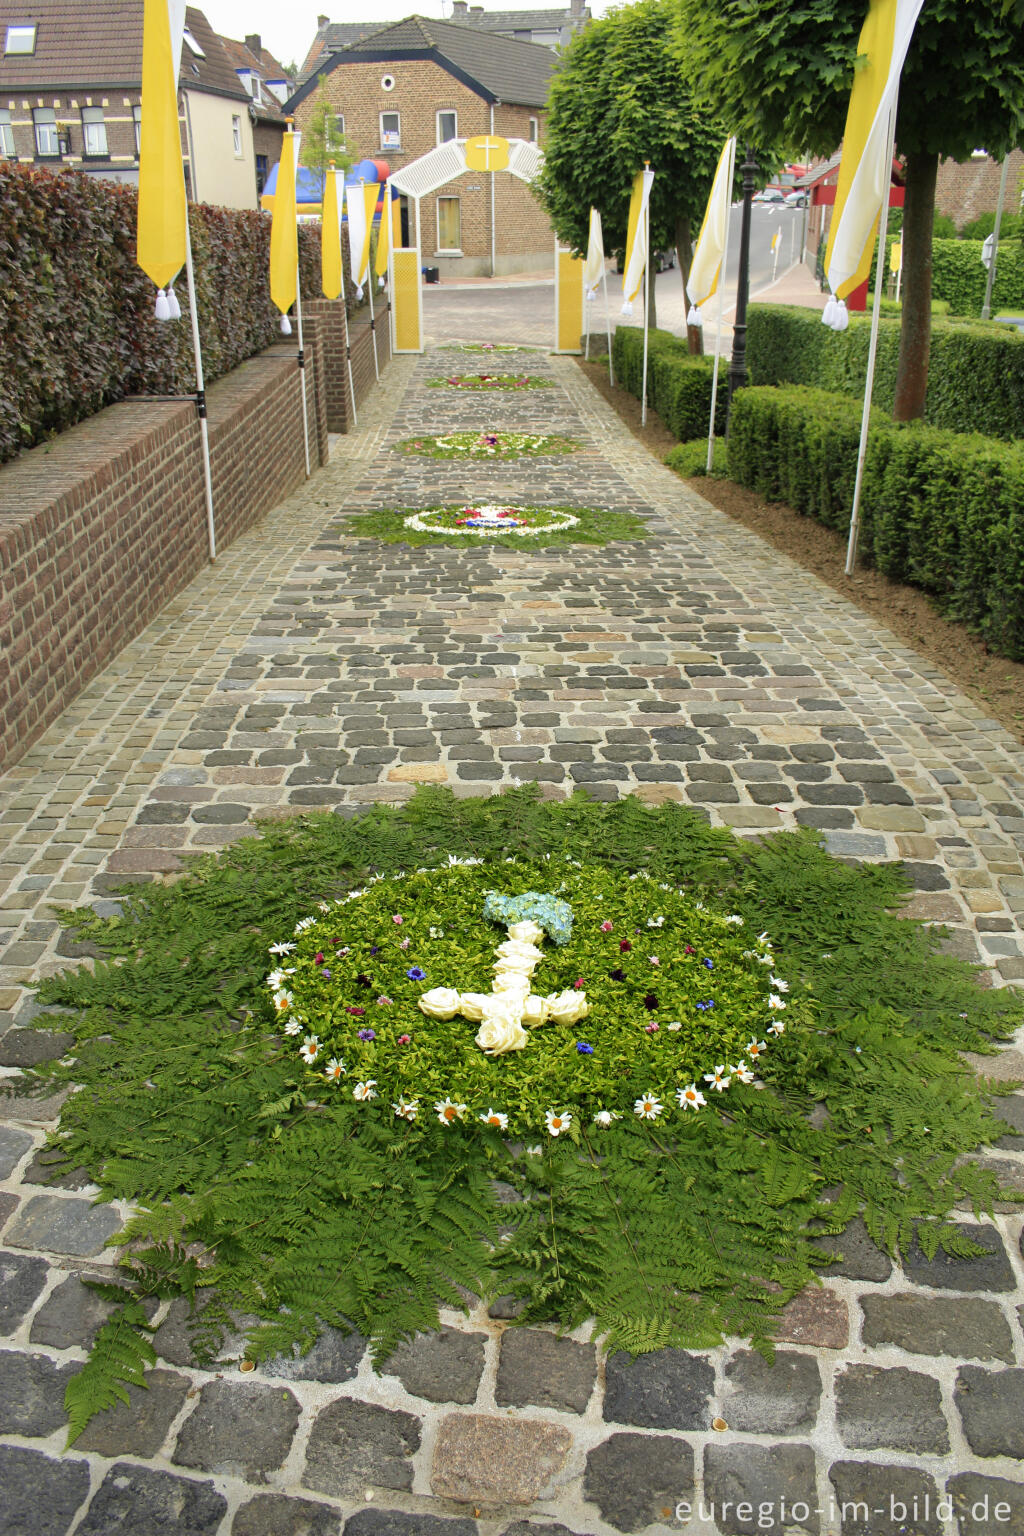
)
(314, 668)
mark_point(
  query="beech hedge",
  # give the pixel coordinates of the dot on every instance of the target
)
(975, 376)
(940, 510)
(678, 385)
(77, 329)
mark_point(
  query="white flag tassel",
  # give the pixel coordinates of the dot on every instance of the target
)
(173, 305)
(842, 316)
(163, 309)
(286, 326)
(636, 239)
(862, 189)
(593, 266)
(828, 314)
(694, 317)
(706, 267)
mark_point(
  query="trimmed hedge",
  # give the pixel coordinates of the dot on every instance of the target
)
(678, 385)
(77, 329)
(940, 510)
(975, 377)
(691, 459)
(959, 277)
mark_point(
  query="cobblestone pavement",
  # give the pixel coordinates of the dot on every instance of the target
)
(314, 668)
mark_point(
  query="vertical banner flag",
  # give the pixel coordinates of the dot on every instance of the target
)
(358, 200)
(163, 215)
(330, 237)
(284, 232)
(384, 235)
(709, 252)
(636, 239)
(593, 267)
(863, 186)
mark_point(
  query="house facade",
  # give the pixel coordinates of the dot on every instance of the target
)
(71, 96)
(268, 87)
(406, 88)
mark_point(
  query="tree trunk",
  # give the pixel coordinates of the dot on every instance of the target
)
(684, 256)
(916, 328)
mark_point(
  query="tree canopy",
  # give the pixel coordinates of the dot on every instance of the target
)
(321, 141)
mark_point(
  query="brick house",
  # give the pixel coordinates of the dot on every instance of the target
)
(71, 93)
(403, 89)
(963, 189)
(550, 28)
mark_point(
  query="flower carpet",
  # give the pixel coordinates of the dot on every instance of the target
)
(485, 381)
(488, 445)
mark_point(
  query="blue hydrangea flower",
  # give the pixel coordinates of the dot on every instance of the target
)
(548, 912)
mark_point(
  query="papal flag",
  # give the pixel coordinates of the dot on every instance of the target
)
(384, 236)
(330, 237)
(163, 214)
(593, 266)
(284, 232)
(864, 175)
(709, 252)
(361, 200)
(636, 239)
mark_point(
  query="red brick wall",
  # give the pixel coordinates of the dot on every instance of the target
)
(99, 528)
(962, 191)
(337, 394)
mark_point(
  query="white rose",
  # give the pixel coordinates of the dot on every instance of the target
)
(503, 1005)
(535, 1011)
(512, 981)
(497, 1035)
(529, 954)
(513, 968)
(567, 1007)
(527, 932)
(440, 1003)
(471, 1005)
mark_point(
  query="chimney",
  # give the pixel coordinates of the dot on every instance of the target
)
(475, 10)
(321, 22)
(576, 11)
(254, 43)
(459, 10)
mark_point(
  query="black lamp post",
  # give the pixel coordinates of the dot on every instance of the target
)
(738, 365)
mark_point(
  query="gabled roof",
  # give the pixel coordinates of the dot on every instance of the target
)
(518, 21)
(335, 35)
(496, 67)
(82, 43)
(263, 65)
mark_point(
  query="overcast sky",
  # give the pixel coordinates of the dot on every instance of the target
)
(288, 29)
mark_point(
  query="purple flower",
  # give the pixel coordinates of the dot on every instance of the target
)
(625, 946)
(617, 975)
(650, 1002)
(709, 963)
(363, 980)
(584, 1049)
(374, 949)
(325, 973)
(416, 973)
(703, 1007)
(367, 1034)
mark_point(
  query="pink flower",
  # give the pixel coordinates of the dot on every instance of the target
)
(384, 1002)
(404, 1039)
(405, 943)
(578, 983)
(606, 927)
(398, 918)
(651, 1029)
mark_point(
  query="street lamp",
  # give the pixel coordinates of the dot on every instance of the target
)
(738, 364)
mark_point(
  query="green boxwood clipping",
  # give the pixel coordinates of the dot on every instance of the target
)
(488, 445)
(262, 1190)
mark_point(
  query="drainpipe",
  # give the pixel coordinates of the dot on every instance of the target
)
(193, 178)
(492, 194)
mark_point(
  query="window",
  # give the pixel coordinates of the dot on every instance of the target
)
(94, 131)
(533, 130)
(6, 135)
(261, 174)
(47, 143)
(190, 40)
(447, 126)
(390, 130)
(137, 120)
(339, 124)
(236, 134)
(21, 39)
(449, 224)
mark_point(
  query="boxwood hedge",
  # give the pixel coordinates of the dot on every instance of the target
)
(678, 385)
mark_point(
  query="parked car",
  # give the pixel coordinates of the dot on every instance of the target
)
(662, 260)
(769, 195)
(795, 199)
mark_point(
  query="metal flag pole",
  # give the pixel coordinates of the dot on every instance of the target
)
(369, 285)
(204, 429)
(876, 309)
(302, 368)
(647, 297)
(718, 323)
(608, 326)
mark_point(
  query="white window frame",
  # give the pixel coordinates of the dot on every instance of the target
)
(137, 125)
(534, 130)
(339, 124)
(17, 37)
(95, 144)
(448, 250)
(50, 124)
(188, 37)
(446, 112)
(236, 134)
(384, 143)
(6, 135)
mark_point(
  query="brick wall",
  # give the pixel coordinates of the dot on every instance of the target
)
(331, 316)
(962, 191)
(100, 527)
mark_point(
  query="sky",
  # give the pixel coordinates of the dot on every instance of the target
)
(287, 29)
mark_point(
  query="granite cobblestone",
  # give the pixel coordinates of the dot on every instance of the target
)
(315, 667)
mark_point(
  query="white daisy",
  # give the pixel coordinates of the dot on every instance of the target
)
(304, 923)
(648, 1107)
(556, 1123)
(407, 1109)
(755, 1047)
(655, 922)
(537, 1151)
(674, 1025)
(775, 1002)
(367, 1090)
(281, 949)
(735, 918)
(310, 1049)
(605, 1117)
(335, 1070)
(776, 1027)
(778, 983)
(496, 1118)
(448, 1110)
(282, 1001)
(276, 979)
(691, 1097)
(293, 1027)
(743, 1072)
(719, 1079)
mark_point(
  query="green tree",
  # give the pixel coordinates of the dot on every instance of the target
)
(321, 141)
(621, 97)
(781, 76)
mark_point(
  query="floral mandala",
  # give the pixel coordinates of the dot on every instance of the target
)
(488, 445)
(491, 381)
(487, 520)
(529, 998)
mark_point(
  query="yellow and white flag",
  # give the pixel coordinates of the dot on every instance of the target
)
(284, 232)
(163, 213)
(361, 200)
(384, 236)
(864, 176)
(709, 252)
(636, 239)
(330, 236)
(593, 267)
